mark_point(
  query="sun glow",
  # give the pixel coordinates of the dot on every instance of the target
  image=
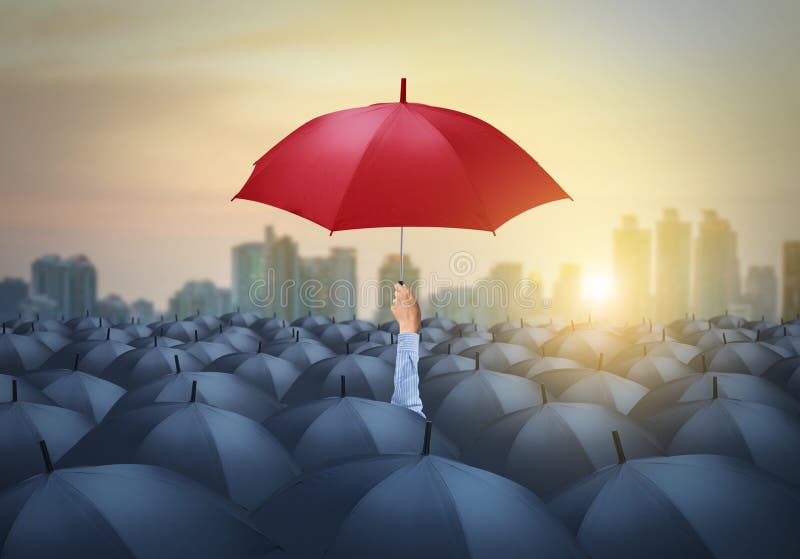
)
(597, 288)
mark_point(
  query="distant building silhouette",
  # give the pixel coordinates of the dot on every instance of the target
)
(329, 284)
(13, 292)
(114, 309)
(632, 262)
(672, 266)
(143, 311)
(388, 274)
(791, 279)
(248, 274)
(567, 291)
(284, 272)
(71, 283)
(761, 292)
(495, 294)
(201, 296)
(716, 284)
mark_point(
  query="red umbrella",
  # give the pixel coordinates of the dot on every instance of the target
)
(400, 164)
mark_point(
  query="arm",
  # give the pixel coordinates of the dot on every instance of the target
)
(406, 376)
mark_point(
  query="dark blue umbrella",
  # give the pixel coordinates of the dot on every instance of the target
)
(330, 429)
(536, 366)
(434, 335)
(437, 364)
(593, 386)
(463, 403)
(436, 322)
(78, 391)
(682, 506)
(208, 321)
(458, 345)
(240, 339)
(789, 343)
(122, 510)
(727, 321)
(221, 390)
(206, 352)
(105, 333)
(751, 358)
(21, 353)
(500, 356)
(361, 325)
(532, 337)
(715, 337)
(311, 321)
(47, 325)
(22, 389)
(404, 506)
(366, 377)
(185, 331)
(303, 353)
(95, 356)
(584, 345)
(548, 447)
(389, 352)
(155, 341)
(81, 322)
(629, 356)
(336, 336)
(223, 450)
(390, 326)
(376, 336)
(23, 425)
(781, 330)
(786, 374)
(290, 334)
(273, 375)
(243, 319)
(140, 366)
(652, 371)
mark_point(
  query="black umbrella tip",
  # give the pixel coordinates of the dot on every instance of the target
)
(193, 397)
(14, 390)
(618, 444)
(48, 463)
(426, 444)
(342, 386)
(177, 364)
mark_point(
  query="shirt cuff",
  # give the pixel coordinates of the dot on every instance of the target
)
(408, 341)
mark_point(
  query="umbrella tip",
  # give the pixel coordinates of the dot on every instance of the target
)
(193, 397)
(402, 90)
(342, 386)
(426, 444)
(618, 444)
(477, 360)
(14, 390)
(543, 390)
(177, 364)
(714, 388)
(48, 464)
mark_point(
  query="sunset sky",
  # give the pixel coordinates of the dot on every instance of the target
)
(126, 129)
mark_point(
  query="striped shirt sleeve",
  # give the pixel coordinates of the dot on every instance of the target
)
(406, 376)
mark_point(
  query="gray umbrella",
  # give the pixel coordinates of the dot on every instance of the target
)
(221, 390)
(22, 389)
(240, 339)
(155, 341)
(336, 336)
(651, 370)
(463, 403)
(273, 375)
(326, 430)
(209, 321)
(290, 334)
(185, 330)
(765, 435)
(594, 386)
(436, 322)
(21, 353)
(377, 336)
(530, 336)
(225, 451)
(366, 377)
(751, 358)
(548, 447)
(78, 391)
(303, 353)
(140, 366)
(682, 506)
(443, 508)
(23, 425)
(781, 330)
(242, 319)
(311, 321)
(436, 364)
(727, 321)
(584, 346)
(48, 325)
(786, 374)
(500, 356)
(458, 345)
(390, 326)
(95, 356)
(389, 352)
(206, 352)
(435, 335)
(532, 367)
(686, 327)
(789, 343)
(716, 337)
(105, 333)
(700, 387)
(361, 325)
(123, 511)
(81, 322)
(626, 358)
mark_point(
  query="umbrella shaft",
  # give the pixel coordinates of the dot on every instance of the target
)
(401, 255)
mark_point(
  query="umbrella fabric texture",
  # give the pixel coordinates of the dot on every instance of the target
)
(700, 387)
(336, 336)
(789, 343)
(184, 330)
(389, 352)
(310, 321)
(82, 322)
(391, 327)
(21, 353)
(751, 358)
(361, 325)
(221, 390)
(594, 386)
(533, 367)
(652, 371)
(548, 447)
(584, 346)
(716, 337)
(530, 336)
(155, 341)
(436, 322)
(669, 348)
(786, 374)
(434, 335)
(23, 425)
(728, 321)
(377, 336)
(53, 340)
(366, 377)
(403, 506)
(682, 506)
(243, 340)
(271, 374)
(303, 353)
(686, 327)
(206, 352)
(459, 345)
(137, 331)
(323, 431)
(470, 174)
(764, 435)
(123, 511)
(225, 451)
(500, 356)
(79, 391)
(93, 356)
(243, 319)
(141, 366)
(104, 333)
(48, 325)
(28, 390)
(437, 364)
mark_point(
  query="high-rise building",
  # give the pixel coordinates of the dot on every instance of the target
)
(496, 299)
(716, 283)
(202, 296)
(248, 276)
(388, 274)
(791, 279)
(632, 269)
(13, 292)
(335, 275)
(143, 311)
(672, 266)
(283, 269)
(567, 292)
(71, 283)
(761, 292)
(114, 309)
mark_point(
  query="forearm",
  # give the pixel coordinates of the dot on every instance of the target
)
(406, 376)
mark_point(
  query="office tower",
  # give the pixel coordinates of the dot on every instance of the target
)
(454, 302)
(113, 309)
(202, 296)
(791, 279)
(248, 276)
(71, 283)
(761, 292)
(388, 274)
(632, 269)
(567, 292)
(716, 284)
(283, 269)
(143, 311)
(13, 292)
(496, 294)
(672, 266)
(342, 286)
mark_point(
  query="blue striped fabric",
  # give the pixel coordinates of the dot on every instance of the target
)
(406, 377)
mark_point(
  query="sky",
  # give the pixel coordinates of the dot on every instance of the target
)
(127, 127)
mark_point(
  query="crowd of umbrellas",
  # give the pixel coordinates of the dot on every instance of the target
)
(241, 436)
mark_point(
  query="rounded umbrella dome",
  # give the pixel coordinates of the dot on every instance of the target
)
(336, 336)
(652, 371)
(715, 337)
(79, 391)
(103, 333)
(682, 506)
(21, 353)
(789, 343)
(361, 325)
(271, 374)
(752, 358)
(366, 377)
(225, 451)
(584, 346)
(669, 348)
(459, 344)
(594, 386)
(303, 353)
(443, 508)
(389, 352)
(376, 336)
(437, 322)
(206, 352)
(28, 390)
(728, 321)
(786, 374)
(141, 366)
(499, 356)
(155, 341)
(243, 319)
(311, 321)
(470, 174)
(529, 336)
(47, 325)
(434, 335)
(323, 431)
(782, 330)
(123, 511)
(437, 364)
(548, 447)
(533, 367)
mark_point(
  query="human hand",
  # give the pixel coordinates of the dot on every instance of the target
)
(405, 309)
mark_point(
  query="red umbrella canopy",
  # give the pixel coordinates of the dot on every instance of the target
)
(400, 164)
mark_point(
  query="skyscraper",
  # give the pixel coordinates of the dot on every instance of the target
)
(201, 296)
(13, 291)
(716, 283)
(495, 294)
(791, 279)
(283, 269)
(761, 292)
(632, 269)
(567, 291)
(248, 275)
(114, 309)
(143, 311)
(71, 283)
(388, 274)
(672, 265)
(343, 286)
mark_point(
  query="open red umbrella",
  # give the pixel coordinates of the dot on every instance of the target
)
(400, 164)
